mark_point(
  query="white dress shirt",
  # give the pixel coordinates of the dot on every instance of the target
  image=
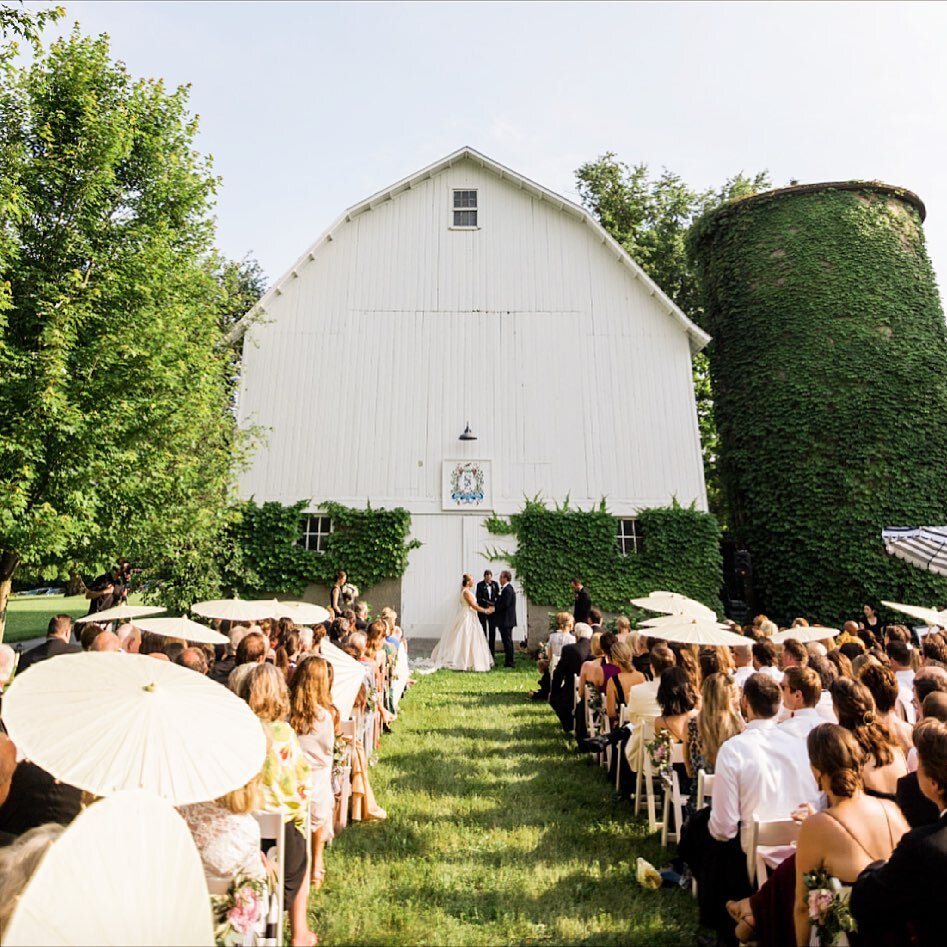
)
(740, 675)
(772, 672)
(762, 772)
(801, 722)
(825, 709)
(906, 694)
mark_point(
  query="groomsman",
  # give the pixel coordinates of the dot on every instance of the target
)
(582, 601)
(487, 594)
(506, 616)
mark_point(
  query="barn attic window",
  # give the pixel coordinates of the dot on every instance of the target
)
(315, 531)
(629, 536)
(465, 208)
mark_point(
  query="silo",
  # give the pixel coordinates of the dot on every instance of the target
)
(829, 365)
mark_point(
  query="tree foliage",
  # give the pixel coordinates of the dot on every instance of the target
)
(649, 216)
(828, 335)
(114, 431)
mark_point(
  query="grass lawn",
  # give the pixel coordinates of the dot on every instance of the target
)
(27, 617)
(497, 833)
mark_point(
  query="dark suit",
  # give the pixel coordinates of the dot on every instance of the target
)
(50, 648)
(917, 808)
(505, 617)
(907, 887)
(582, 605)
(487, 595)
(562, 689)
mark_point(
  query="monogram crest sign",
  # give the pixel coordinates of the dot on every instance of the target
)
(466, 485)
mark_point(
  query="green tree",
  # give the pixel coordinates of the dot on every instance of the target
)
(650, 217)
(114, 431)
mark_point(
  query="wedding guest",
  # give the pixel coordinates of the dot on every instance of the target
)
(828, 675)
(228, 836)
(764, 660)
(842, 663)
(7, 768)
(361, 615)
(58, 637)
(618, 686)
(193, 659)
(899, 656)
(34, 798)
(677, 698)
(18, 862)
(583, 603)
(909, 886)
(794, 654)
(641, 653)
(106, 641)
(801, 689)
(622, 628)
(130, 638)
(883, 684)
(550, 654)
(917, 808)
(251, 650)
(853, 831)
(562, 688)
(286, 777)
(871, 625)
(885, 764)
(934, 650)
(742, 664)
(598, 672)
(715, 722)
(686, 660)
(595, 620)
(316, 722)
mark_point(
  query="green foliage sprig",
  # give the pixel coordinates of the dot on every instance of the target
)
(828, 338)
(680, 551)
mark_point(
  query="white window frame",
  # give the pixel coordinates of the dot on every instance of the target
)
(629, 544)
(308, 533)
(454, 191)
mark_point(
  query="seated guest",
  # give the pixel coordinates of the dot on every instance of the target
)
(842, 840)
(58, 637)
(677, 699)
(562, 688)
(361, 615)
(106, 641)
(228, 836)
(314, 718)
(742, 664)
(223, 667)
(883, 684)
(549, 655)
(715, 722)
(130, 638)
(763, 772)
(285, 778)
(595, 620)
(842, 664)
(764, 660)
(641, 653)
(793, 655)
(686, 659)
(934, 650)
(35, 798)
(801, 690)
(885, 764)
(18, 862)
(828, 675)
(643, 698)
(899, 656)
(622, 628)
(194, 659)
(917, 808)
(7, 767)
(618, 687)
(252, 649)
(909, 886)
(598, 673)
(90, 631)
(174, 650)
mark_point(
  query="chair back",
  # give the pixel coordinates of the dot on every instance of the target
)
(273, 845)
(705, 786)
(770, 843)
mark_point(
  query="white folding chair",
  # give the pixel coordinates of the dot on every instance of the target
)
(272, 843)
(646, 777)
(770, 843)
(345, 790)
(705, 787)
(644, 732)
(673, 800)
(622, 720)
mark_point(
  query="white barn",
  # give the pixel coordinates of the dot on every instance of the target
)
(468, 294)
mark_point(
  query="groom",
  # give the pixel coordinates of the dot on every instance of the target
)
(505, 616)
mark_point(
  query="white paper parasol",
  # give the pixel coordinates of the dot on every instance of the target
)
(108, 722)
(930, 616)
(300, 613)
(804, 634)
(184, 628)
(120, 613)
(662, 621)
(126, 871)
(234, 609)
(694, 631)
(348, 675)
(673, 603)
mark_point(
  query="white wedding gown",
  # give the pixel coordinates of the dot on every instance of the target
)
(464, 646)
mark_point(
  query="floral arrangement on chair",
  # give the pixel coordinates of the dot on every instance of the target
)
(240, 911)
(341, 753)
(659, 749)
(349, 594)
(829, 913)
(594, 700)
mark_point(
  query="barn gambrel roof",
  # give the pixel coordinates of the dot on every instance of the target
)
(698, 338)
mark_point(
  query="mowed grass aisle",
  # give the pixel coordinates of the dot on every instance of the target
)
(497, 833)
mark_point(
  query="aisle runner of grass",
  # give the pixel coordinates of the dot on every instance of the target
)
(497, 833)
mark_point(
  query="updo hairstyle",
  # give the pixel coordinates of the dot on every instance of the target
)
(835, 753)
(856, 712)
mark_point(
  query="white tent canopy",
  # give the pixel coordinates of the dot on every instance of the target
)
(922, 546)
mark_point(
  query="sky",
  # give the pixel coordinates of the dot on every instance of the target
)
(307, 108)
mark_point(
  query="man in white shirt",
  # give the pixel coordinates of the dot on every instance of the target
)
(793, 655)
(762, 772)
(743, 664)
(801, 689)
(828, 675)
(900, 657)
(764, 660)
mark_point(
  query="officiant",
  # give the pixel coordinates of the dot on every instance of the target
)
(488, 592)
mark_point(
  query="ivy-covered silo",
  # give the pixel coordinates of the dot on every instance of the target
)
(829, 364)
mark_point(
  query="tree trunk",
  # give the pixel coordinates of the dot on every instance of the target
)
(8, 563)
(75, 585)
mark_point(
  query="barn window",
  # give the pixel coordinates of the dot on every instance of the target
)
(465, 208)
(629, 536)
(315, 530)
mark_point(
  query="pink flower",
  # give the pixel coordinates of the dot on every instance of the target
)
(820, 902)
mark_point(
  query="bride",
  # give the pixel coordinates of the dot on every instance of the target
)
(464, 647)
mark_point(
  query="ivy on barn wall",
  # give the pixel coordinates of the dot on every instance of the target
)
(831, 403)
(262, 553)
(680, 551)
